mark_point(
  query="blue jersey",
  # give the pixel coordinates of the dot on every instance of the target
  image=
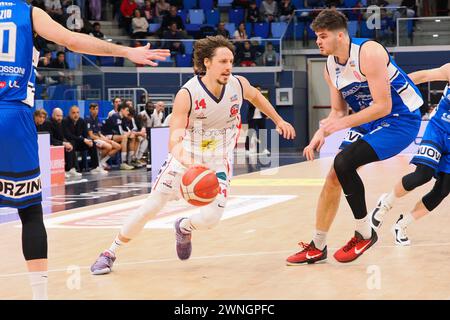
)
(441, 115)
(18, 57)
(353, 85)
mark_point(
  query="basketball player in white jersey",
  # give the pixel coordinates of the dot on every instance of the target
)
(432, 160)
(203, 130)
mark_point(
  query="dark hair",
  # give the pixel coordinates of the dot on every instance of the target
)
(206, 48)
(329, 19)
(114, 99)
(93, 105)
(60, 52)
(123, 106)
(40, 112)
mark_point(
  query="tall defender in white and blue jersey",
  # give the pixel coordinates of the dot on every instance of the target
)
(432, 160)
(20, 184)
(385, 120)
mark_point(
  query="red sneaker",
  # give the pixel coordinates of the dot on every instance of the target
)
(355, 247)
(309, 254)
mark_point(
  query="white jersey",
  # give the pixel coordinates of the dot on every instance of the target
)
(214, 123)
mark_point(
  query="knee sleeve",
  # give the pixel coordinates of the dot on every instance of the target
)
(439, 192)
(34, 236)
(209, 216)
(137, 220)
(420, 176)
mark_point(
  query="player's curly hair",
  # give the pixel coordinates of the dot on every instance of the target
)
(206, 48)
(329, 19)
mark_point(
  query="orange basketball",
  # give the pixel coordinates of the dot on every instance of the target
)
(199, 186)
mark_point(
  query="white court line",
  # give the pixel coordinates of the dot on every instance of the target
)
(231, 255)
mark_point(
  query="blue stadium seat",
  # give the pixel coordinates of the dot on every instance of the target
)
(153, 27)
(206, 4)
(278, 29)
(192, 29)
(212, 16)
(224, 3)
(350, 3)
(352, 28)
(183, 14)
(299, 30)
(289, 30)
(166, 63)
(189, 4)
(231, 27)
(261, 29)
(236, 16)
(298, 4)
(88, 59)
(189, 46)
(73, 60)
(107, 61)
(183, 60)
(196, 16)
(365, 31)
(310, 32)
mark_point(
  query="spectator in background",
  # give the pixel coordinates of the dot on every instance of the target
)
(75, 131)
(140, 132)
(221, 31)
(54, 9)
(146, 114)
(172, 17)
(127, 9)
(39, 4)
(60, 63)
(241, 4)
(240, 33)
(286, 10)
(96, 9)
(270, 57)
(149, 11)
(177, 3)
(253, 13)
(112, 128)
(175, 47)
(108, 147)
(161, 9)
(116, 102)
(269, 10)
(97, 32)
(158, 115)
(40, 117)
(57, 139)
(139, 26)
(246, 56)
(256, 122)
(44, 63)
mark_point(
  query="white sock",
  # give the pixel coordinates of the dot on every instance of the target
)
(38, 282)
(130, 155)
(390, 199)
(186, 226)
(320, 239)
(364, 228)
(115, 245)
(103, 161)
(407, 220)
(124, 157)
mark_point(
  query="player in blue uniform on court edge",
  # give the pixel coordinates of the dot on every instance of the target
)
(432, 159)
(386, 119)
(20, 184)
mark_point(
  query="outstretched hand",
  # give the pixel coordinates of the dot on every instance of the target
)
(315, 145)
(286, 130)
(143, 55)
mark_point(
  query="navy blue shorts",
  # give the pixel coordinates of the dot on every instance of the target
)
(387, 136)
(20, 182)
(434, 150)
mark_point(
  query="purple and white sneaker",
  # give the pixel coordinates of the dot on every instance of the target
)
(184, 245)
(104, 263)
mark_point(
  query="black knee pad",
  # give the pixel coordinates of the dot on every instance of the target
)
(34, 236)
(439, 192)
(341, 164)
(420, 176)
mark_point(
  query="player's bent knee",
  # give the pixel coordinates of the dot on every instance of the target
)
(341, 164)
(34, 235)
(419, 177)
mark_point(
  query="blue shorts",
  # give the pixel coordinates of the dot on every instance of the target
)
(20, 182)
(387, 136)
(434, 150)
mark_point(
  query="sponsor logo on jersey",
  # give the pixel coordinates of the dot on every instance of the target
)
(352, 63)
(2, 84)
(7, 4)
(446, 117)
(200, 116)
(353, 136)
(12, 70)
(429, 152)
(20, 189)
(13, 85)
(234, 98)
(357, 76)
(168, 184)
(234, 110)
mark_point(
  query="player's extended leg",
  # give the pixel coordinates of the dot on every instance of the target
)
(409, 182)
(346, 164)
(327, 207)
(34, 248)
(422, 208)
(130, 229)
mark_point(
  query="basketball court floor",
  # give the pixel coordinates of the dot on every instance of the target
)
(268, 212)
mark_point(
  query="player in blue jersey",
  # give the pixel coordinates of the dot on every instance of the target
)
(432, 160)
(385, 120)
(20, 184)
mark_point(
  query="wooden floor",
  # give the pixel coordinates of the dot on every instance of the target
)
(244, 256)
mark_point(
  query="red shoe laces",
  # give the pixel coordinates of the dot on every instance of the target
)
(353, 241)
(305, 246)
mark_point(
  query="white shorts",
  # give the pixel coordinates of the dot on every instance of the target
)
(169, 178)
